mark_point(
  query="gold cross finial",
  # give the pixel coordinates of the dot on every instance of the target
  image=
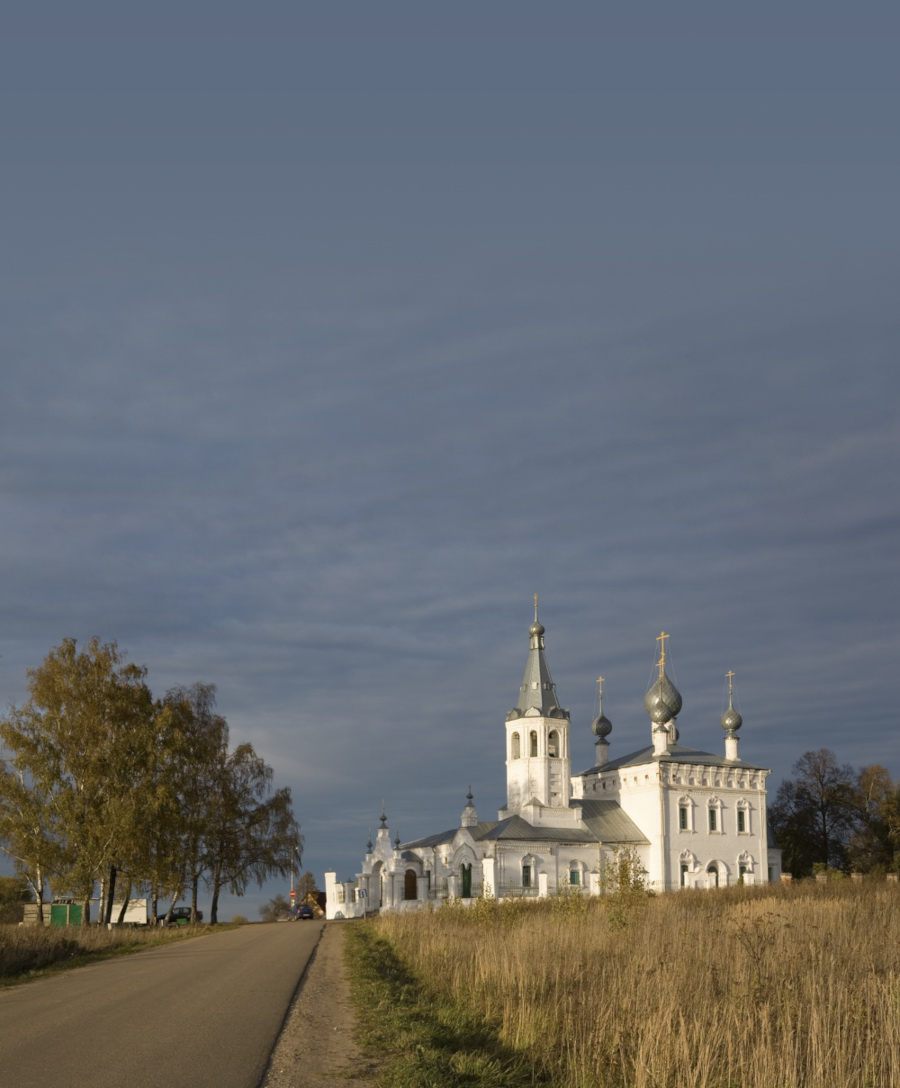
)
(730, 675)
(599, 685)
(535, 607)
(661, 639)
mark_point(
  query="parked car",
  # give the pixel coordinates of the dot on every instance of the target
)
(304, 912)
(181, 916)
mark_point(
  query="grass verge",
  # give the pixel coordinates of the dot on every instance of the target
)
(29, 952)
(424, 1040)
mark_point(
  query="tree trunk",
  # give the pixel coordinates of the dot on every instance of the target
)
(37, 887)
(175, 896)
(125, 901)
(86, 910)
(154, 904)
(101, 906)
(194, 900)
(106, 916)
(214, 907)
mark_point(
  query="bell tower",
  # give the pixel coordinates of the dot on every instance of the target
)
(537, 736)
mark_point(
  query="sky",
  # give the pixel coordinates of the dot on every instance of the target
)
(333, 333)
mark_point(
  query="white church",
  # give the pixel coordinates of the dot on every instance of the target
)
(693, 819)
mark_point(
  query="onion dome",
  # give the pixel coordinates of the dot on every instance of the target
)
(663, 701)
(397, 841)
(731, 720)
(601, 726)
(369, 843)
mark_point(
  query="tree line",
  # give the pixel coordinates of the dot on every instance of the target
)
(105, 788)
(829, 816)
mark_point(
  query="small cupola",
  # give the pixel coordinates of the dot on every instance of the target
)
(469, 816)
(601, 727)
(731, 722)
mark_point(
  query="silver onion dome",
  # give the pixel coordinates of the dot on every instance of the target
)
(663, 701)
(731, 720)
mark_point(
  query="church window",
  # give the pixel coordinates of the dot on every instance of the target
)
(526, 876)
(742, 870)
(741, 821)
(715, 816)
(533, 743)
(682, 818)
(574, 875)
(466, 874)
(553, 744)
(516, 752)
(713, 872)
(410, 885)
(340, 893)
(684, 873)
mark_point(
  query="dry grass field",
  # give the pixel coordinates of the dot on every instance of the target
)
(769, 987)
(26, 950)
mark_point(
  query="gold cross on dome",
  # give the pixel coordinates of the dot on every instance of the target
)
(661, 639)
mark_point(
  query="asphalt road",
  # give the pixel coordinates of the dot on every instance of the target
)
(202, 1013)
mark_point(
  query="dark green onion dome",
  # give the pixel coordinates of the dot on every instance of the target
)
(601, 726)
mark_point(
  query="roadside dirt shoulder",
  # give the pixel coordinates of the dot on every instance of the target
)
(317, 1047)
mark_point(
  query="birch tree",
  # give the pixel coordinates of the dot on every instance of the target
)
(81, 740)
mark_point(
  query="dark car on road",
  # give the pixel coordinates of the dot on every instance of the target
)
(304, 912)
(181, 916)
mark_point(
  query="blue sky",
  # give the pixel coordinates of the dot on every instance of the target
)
(330, 338)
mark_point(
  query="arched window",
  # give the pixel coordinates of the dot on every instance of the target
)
(410, 885)
(714, 816)
(742, 813)
(533, 743)
(516, 747)
(465, 872)
(575, 875)
(712, 871)
(553, 744)
(526, 874)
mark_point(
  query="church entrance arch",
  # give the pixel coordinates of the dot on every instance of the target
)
(376, 886)
(410, 885)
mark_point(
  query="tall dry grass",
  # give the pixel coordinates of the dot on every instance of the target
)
(26, 949)
(736, 988)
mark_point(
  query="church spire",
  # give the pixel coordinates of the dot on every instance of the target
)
(537, 693)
